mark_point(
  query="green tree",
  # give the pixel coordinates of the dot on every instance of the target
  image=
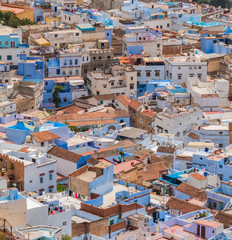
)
(55, 95)
(222, 3)
(9, 19)
(66, 237)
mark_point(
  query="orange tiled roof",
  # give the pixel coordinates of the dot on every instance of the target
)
(44, 136)
(135, 104)
(198, 176)
(123, 99)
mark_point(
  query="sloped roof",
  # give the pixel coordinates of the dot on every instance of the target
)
(192, 191)
(64, 154)
(44, 136)
(181, 205)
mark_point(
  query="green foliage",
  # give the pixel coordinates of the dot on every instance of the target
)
(222, 3)
(55, 95)
(77, 129)
(8, 18)
(204, 214)
(12, 166)
(122, 153)
(66, 237)
(61, 187)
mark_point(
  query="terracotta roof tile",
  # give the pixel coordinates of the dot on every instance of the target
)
(146, 113)
(165, 149)
(198, 176)
(44, 136)
(181, 205)
(123, 99)
(154, 171)
(89, 116)
(193, 136)
(64, 154)
(192, 191)
(134, 104)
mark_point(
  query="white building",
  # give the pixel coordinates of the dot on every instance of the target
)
(149, 69)
(177, 121)
(210, 94)
(119, 80)
(61, 39)
(135, 43)
(40, 214)
(39, 171)
(178, 69)
(79, 17)
(6, 106)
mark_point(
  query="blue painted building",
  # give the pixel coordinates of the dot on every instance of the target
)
(11, 47)
(31, 67)
(214, 162)
(216, 45)
(73, 87)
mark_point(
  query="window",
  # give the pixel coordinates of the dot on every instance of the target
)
(100, 57)
(108, 57)
(46, 83)
(70, 62)
(70, 72)
(191, 75)
(0, 57)
(158, 45)
(33, 160)
(85, 70)
(179, 68)
(77, 34)
(57, 71)
(104, 85)
(214, 205)
(131, 78)
(76, 61)
(56, 35)
(107, 34)
(131, 86)
(179, 76)
(6, 43)
(77, 72)
(138, 74)
(148, 73)
(94, 58)
(120, 82)
(112, 83)
(112, 222)
(9, 57)
(64, 73)
(50, 176)
(65, 62)
(0, 43)
(65, 99)
(50, 190)
(64, 223)
(41, 180)
(190, 68)
(178, 134)
(220, 145)
(157, 73)
(170, 75)
(220, 132)
(12, 44)
(199, 67)
(42, 144)
(199, 76)
(168, 25)
(30, 181)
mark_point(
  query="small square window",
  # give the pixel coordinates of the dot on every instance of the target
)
(9, 57)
